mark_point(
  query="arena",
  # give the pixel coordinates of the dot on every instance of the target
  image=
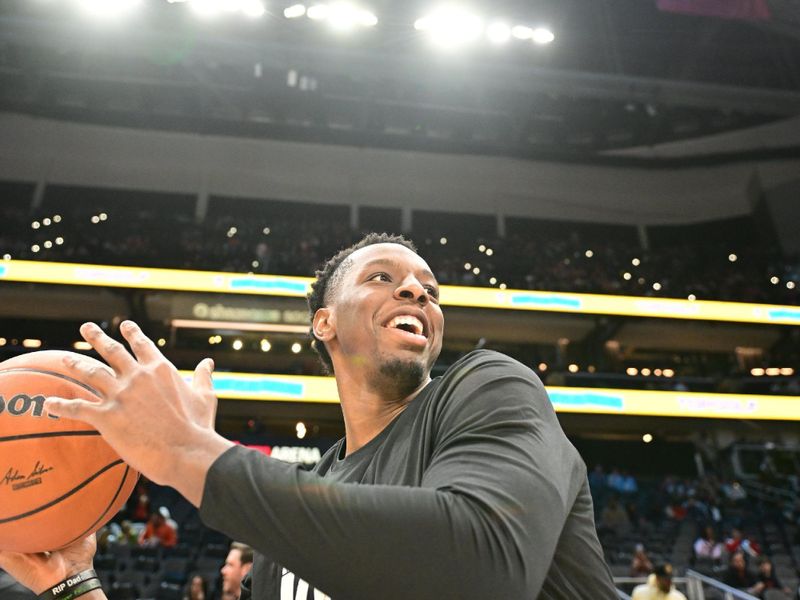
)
(605, 193)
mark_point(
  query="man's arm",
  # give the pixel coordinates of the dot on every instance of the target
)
(484, 524)
(39, 572)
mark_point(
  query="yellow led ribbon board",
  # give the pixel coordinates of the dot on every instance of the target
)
(296, 388)
(473, 297)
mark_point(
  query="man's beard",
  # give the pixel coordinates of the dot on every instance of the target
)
(405, 375)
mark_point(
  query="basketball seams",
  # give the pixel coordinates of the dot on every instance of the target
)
(49, 434)
(51, 373)
(63, 497)
(103, 517)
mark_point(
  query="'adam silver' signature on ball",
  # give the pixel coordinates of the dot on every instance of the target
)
(18, 481)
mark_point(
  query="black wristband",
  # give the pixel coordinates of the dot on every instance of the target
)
(73, 587)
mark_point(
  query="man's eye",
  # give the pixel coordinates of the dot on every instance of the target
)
(380, 277)
(432, 291)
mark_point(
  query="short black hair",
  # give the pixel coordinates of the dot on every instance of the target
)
(328, 277)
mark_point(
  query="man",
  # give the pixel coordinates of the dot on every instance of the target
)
(659, 586)
(738, 575)
(237, 565)
(461, 487)
(161, 530)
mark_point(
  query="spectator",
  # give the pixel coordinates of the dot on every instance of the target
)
(237, 565)
(739, 543)
(196, 589)
(707, 546)
(641, 564)
(161, 530)
(767, 579)
(614, 518)
(659, 586)
(738, 575)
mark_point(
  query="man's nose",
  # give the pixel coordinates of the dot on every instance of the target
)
(411, 289)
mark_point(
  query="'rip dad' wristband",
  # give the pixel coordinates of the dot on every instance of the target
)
(73, 587)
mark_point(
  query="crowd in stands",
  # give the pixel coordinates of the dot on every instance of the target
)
(708, 524)
(293, 240)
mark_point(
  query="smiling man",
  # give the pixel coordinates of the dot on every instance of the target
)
(459, 487)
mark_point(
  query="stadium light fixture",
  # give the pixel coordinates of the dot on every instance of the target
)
(647, 438)
(295, 11)
(450, 26)
(107, 9)
(253, 8)
(522, 32)
(542, 36)
(498, 33)
(318, 12)
(342, 16)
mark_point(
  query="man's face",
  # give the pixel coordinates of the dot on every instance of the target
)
(232, 572)
(385, 316)
(738, 562)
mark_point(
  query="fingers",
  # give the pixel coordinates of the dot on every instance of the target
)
(111, 350)
(92, 373)
(79, 410)
(142, 346)
(202, 380)
(203, 384)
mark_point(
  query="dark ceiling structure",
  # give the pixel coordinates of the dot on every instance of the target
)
(619, 75)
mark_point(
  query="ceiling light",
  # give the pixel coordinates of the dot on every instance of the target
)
(668, 372)
(636, 262)
(732, 257)
(521, 32)
(296, 348)
(647, 438)
(82, 345)
(265, 345)
(451, 26)
(31, 343)
(542, 36)
(498, 33)
(294, 11)
(632, 371)
(318, 12)
(489, 252)
(573, 368)
(443, 241)
(237, 345)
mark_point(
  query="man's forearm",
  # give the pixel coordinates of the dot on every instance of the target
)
(191, 464)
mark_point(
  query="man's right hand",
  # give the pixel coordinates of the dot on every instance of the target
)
(38, 572)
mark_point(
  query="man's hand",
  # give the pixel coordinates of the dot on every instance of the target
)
(38, 572)
(158, 423)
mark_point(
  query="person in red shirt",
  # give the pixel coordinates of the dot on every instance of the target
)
(160, 531)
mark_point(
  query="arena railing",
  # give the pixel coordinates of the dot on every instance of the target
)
(697, 582)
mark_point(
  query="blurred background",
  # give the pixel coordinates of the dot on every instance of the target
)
(609, 192)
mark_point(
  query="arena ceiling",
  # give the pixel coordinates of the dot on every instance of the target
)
(619, 75)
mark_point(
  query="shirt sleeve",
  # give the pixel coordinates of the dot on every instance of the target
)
(485, 522)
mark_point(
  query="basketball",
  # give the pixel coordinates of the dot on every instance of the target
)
(59, 480)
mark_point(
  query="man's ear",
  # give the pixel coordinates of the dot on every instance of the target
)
(324, 324)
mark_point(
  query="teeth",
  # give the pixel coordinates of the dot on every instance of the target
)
(407, 320)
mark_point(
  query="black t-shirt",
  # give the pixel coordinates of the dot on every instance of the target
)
(473, 491)
(11, 590)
